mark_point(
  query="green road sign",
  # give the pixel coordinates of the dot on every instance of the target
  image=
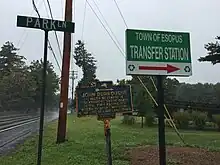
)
(45, 24)
(158, 53)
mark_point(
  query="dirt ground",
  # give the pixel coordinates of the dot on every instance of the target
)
(175, 156)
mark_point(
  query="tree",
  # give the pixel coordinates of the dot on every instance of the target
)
(16, 90)
(9, 59)
(21, 85)
(86, 62)
(213, 52)
(14, 82)
(170, 88)
(52, 82)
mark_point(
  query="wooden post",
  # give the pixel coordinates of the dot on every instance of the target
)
(61, 131)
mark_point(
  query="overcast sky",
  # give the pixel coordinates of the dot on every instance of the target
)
(199, 17)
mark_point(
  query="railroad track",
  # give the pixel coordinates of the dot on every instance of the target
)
(16, 127)
(12, 125)
(20, 135)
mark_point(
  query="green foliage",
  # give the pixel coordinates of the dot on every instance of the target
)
(86, 139)
(217, 120)
(199, 119)
(213, 52)
(174, 90)
(149, 120)
(10, 61)
(86, 62)
(52, 81)
(20, 85)
(129, 120)
(181, 119)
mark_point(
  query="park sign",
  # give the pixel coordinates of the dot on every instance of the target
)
(103, 102)
(45, 24)
(158, 53)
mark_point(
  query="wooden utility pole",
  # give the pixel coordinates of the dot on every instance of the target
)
(61, 131)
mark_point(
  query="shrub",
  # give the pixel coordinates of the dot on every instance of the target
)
(128, 119)
(217, 121)
(149, 120)
(181, 119)
(199, 119)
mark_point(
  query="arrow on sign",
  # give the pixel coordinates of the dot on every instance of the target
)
(168, 68)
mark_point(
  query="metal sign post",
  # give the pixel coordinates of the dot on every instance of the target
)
(108, 140)
(46, 25)
(44, 74)
(161, 124)
(158, 53)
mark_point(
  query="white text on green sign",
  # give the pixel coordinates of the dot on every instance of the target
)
(158, 46)
(45, 24)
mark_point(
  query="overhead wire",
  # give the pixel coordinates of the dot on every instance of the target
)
(84, 17)
(167, 112)
(171, 123)
(61, 6)
(58, 43)
(25, 29)
(123, 53)
(54, 55)
(121, 13)
(105, 27)
(50, 46)
(73, 45)
(35, 8)
(106, 23)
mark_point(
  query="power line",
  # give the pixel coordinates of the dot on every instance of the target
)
(73, 38)
(137, 76)
(120, 13)
(84, 17)
(105, 27)
(127, 28)
(50, 47)
(35, 8)
(107, 23)
(51, 14)
(62, 7)
(25, 29)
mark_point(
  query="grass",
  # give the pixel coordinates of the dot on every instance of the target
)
(86, 143)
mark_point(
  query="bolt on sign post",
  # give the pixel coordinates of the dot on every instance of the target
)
(158, 53)
(46, 25)
(104, 100)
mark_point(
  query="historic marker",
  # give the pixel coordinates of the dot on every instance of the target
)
(95, 101)
(158, 53)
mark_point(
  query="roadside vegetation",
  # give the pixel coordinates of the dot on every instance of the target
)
(86, 143)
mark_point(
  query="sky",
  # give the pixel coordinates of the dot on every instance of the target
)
(198, 17)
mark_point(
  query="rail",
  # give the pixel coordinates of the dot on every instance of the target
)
(16, 127)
